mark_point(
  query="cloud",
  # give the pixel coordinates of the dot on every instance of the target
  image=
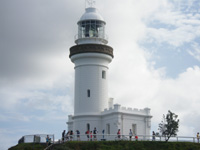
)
(37, 77)
(195, 52)
(11, 116)
(176, 37)
(134, 68)
(169, 24)
(147, 88)
(33, 31)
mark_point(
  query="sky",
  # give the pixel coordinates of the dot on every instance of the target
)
(156, 62)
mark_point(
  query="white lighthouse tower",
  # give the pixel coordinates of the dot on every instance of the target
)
(91, 57)
(92, 107)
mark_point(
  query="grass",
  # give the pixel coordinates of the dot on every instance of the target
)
(114, 145)
(28, 146)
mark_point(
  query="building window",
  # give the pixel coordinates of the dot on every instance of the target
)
(107, 128)
(134, 129)
(88, 93)
(88, 127)
(103, 74)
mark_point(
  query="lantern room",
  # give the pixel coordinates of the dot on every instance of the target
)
(91, 28)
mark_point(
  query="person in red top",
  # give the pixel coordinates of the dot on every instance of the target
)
(136, 137)
(118, 133)
(90, 135)
(87, 133)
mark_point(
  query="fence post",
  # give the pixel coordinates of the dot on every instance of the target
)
(194, 139)
(177, 138)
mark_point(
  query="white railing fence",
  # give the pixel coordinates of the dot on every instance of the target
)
(37, 138)
(114, 137)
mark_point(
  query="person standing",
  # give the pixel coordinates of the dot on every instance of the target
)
(130, 135)
(63, 135)
(78, 135)
(118, 134)
(94, 134)
(198, 137)
(88, 134)
(136, 138)
(103, 133)
(47, 140)
(67, 136)
(153, 136)
(71, 135)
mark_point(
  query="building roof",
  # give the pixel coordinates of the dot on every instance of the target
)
(91, 14)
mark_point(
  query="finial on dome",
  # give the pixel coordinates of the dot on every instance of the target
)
(90, 3)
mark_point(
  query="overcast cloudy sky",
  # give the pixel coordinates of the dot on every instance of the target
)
(156, 64)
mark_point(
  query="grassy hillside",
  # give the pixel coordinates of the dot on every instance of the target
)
(28, 146)
(114, 145)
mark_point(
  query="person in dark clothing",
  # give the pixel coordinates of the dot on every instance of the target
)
(94, 134)
(71, 135)
(47, 140)
(103, 133)
(153, 136)
(63, 135)
(78, 135)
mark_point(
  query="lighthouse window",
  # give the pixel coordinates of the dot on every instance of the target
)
(103, 74)
(91, 28)
(88, 93)
(87, 28)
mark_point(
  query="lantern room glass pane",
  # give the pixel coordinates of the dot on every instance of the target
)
(91, 28)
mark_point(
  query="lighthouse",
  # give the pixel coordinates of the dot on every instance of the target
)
(92, 107)
(91, 57)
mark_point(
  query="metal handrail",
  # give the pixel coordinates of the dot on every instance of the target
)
(36, 138)
(113, 137)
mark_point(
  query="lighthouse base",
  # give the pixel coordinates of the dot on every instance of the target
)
(111, 120)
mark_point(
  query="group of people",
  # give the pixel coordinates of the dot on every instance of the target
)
(131, 135)
(92, 134)
(69, 135)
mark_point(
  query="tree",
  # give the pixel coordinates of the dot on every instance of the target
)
(169, 125)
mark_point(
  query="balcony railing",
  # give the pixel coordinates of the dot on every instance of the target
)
(87, 36)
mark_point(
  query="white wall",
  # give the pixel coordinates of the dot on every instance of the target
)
(88, 76)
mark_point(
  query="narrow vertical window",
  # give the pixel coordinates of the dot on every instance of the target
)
(134, 129)
(88, 93)
(108, 128)
(103, 74)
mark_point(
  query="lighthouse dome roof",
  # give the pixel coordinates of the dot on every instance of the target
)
(91, 14)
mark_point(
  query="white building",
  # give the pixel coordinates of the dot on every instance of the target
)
(92, 107)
